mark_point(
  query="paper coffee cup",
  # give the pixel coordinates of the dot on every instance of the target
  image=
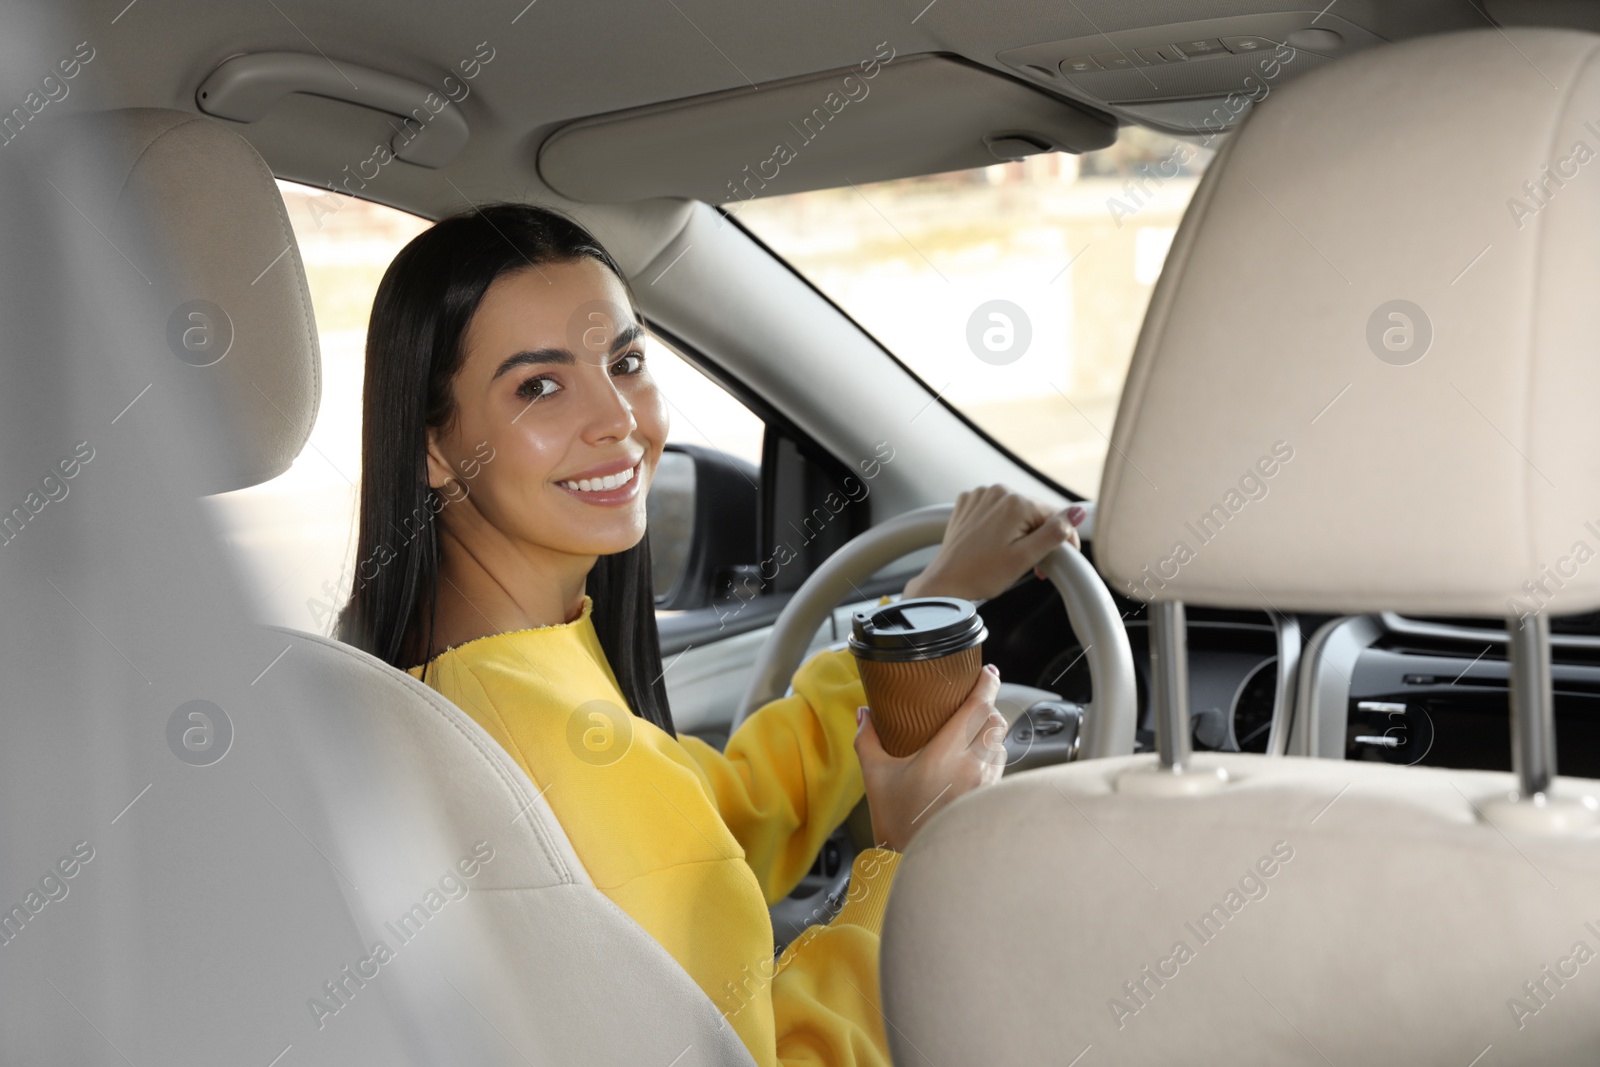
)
(918, 660)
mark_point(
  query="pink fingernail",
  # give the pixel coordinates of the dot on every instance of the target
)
(992, 669)
(861, 716)
(1076, 515)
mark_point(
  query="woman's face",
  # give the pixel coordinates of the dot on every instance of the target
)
(553, 403)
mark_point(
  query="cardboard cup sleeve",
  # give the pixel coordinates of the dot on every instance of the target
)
(910, 701)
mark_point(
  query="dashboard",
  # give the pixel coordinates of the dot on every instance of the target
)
(1386, 688)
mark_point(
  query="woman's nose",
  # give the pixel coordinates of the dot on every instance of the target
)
(611, 415)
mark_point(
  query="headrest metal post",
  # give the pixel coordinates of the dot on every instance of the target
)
(1169, 682)
(1533, 731)
(1287, 629)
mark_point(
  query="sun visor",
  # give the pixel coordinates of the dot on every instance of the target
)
(887, 117)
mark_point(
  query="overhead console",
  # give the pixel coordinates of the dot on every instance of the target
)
(890, 117)
(1202, 77)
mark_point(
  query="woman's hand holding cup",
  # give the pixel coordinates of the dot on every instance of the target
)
(968, 751)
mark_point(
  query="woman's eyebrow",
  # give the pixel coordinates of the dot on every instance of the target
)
(537, 355)
(629, 334)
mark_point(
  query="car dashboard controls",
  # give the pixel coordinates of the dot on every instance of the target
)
(1048, 732)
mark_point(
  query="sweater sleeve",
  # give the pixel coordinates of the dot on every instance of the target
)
(825, 1001)
(789, 774)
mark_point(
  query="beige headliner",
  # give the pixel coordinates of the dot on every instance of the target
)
(557, 61)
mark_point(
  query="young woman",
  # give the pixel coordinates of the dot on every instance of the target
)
(511, 430)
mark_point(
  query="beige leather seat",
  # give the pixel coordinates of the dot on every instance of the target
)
(1365, 284)
(350, 805)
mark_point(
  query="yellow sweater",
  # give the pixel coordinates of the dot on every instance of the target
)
(694, 843)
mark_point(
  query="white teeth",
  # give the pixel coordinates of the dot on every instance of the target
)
(610, 481)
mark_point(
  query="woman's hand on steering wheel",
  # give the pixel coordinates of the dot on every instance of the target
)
(994, 536)
(967, 752)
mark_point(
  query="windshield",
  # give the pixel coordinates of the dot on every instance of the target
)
(1014, 291)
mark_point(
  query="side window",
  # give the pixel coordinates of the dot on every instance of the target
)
(743, 508)
(295, 535)
(705, 499)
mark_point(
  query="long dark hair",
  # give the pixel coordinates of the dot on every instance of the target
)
(414, 349)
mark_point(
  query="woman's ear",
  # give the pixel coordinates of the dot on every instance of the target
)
(440, 473)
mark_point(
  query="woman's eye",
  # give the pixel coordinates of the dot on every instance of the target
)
(536, 388)
(633, 367)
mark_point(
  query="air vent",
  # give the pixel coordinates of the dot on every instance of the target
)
(1433, 691)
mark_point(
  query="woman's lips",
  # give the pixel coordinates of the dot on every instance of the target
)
(609, 497)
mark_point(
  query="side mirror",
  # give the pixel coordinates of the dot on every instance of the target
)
(702, 513)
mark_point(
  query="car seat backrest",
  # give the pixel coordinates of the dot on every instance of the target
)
(325, 853)
(1366, 382)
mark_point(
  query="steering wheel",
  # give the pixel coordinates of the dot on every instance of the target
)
(1109, 720)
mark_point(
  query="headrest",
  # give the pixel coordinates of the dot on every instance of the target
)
(227, 330)
(1368, 376)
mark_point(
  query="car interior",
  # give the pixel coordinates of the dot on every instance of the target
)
(1296, 304)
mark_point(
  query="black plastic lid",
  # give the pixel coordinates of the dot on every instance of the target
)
(920, 628)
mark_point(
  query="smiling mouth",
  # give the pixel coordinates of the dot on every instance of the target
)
(600, 485)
